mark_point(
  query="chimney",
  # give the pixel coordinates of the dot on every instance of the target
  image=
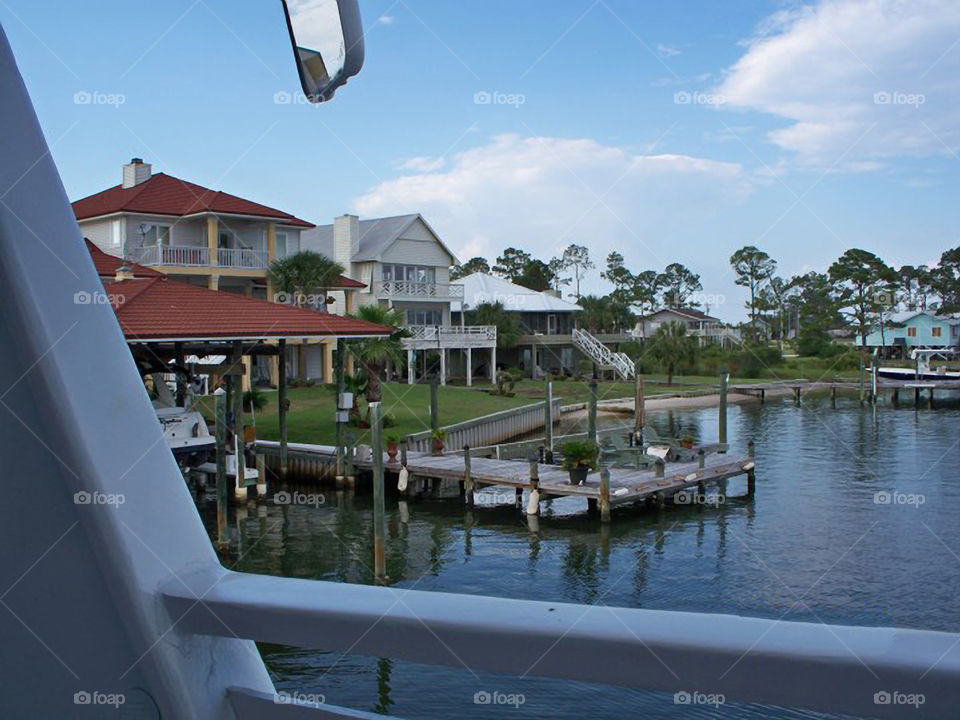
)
(136, 172)
(346, 239)
(123, 273)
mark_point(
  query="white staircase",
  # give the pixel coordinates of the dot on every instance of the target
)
(602, 355)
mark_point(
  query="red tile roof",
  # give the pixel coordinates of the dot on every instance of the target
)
(164, 194)
(165, 309)
(107, 265)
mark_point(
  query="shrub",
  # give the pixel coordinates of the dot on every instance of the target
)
(579, 453)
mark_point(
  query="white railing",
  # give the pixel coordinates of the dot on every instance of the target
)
(181, 255)
(431, 291)
(602, 355)
(450, 336)
(242, 258)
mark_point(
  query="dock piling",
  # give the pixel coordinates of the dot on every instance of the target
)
(434, 403)
(533, 505)
(261, 475)
(467, 479)
(752, 472)
(592, 414)
(548, 421)
(221, 414)
(639, 411)
(722, 427)
(283, 404)
(605, 495)
(379, 511)
(658, 467)
(701, 457)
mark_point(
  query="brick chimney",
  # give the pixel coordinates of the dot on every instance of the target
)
(136, 172)
(346, 239)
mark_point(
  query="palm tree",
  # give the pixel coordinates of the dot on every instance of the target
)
(374, 353)
(304, 273)
(508, 324)
(671, 345)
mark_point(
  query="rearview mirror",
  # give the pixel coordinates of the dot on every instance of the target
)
(327, 40)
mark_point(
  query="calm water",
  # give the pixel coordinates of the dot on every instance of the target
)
(813, 531)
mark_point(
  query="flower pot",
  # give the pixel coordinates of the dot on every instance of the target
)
(688, 444)
(578, 475)
(392, 451)
(438, 446)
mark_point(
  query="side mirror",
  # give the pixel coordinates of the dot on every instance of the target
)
(327, 41)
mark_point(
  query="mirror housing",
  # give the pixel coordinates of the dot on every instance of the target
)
(327, 41)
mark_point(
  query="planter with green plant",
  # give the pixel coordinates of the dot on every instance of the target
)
(687, 441)
(393, 443)
(438, 437)
(579, 458)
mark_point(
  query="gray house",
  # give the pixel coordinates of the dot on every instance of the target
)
(405, 265)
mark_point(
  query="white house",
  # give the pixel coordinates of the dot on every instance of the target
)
(706, 328)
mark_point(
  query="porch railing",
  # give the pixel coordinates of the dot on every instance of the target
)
(242, 258)
(452, 336)
(421, 290)
(195, 256)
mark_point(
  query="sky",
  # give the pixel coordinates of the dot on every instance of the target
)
(666, 131)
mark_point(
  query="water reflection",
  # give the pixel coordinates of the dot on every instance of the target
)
(813, 530)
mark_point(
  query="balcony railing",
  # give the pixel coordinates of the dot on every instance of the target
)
(192, 256)
(450, 336)
(418, 290)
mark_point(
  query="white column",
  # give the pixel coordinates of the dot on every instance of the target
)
(469, 367)
(443, 367)
(493, 364)
(411, 372)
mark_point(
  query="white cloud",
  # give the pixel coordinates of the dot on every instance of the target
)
(541, 194)
(667, 50)
(423, 164)
(834, 70)
(386, 19)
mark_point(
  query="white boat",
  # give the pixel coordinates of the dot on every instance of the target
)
(923, 370)
(184, 429)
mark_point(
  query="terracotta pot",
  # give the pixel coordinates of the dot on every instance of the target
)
(392, 451)
(688, 445)
(438, 446)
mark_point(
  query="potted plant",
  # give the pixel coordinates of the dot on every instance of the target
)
(438, 437)
(393, 440)
(579, 458)
(687, 441)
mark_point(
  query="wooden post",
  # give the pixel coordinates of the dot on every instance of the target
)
(261, 475)
(181, 378)
(860, 371)
(639, 411)
(658, 468)
(434, 404)
(534, 505)
(605, 495)
(239, 445)
(796, 394)
(916, 397)
(221, 414)
(379, 511)
(548, 421)
(833, 395)
(874, 364)
(282, 406)
(751, 473)
(724, 381)
(340, 378)
(592, 413)
(467, 478)
(701, 457)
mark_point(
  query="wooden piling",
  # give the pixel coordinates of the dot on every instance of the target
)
(221, 435)
(701, 457)
(434, 403)
(379, 511)
(534, 488)
(833, 395)
(467, 478)
(658, 467)
(340, 377)
(751, 473)
(860, 375)
(722, 420)
(796, 395)
(548, 421)
(592, 414)
(604, 495)
(240, 487)
(283, 404)
(261, 475)
(639, 410)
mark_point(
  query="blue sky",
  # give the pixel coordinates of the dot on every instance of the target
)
(666, 131)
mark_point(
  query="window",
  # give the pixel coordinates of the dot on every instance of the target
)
(409, 273)
(551, 324)
(935, 332)
(281, 244)
(911, 332)
(154, 235)
(424, 317)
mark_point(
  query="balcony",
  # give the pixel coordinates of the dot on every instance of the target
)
(404, 290)
(191, 256)
(427, 337)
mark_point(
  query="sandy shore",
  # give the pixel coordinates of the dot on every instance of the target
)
(654, 404)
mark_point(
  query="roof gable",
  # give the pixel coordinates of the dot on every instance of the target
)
(480, 288)
(107, 265)
(377, 235)
(164, 194)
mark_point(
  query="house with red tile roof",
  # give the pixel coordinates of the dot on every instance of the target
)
(199, 235)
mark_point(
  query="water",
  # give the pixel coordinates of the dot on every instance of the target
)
(814, 544)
